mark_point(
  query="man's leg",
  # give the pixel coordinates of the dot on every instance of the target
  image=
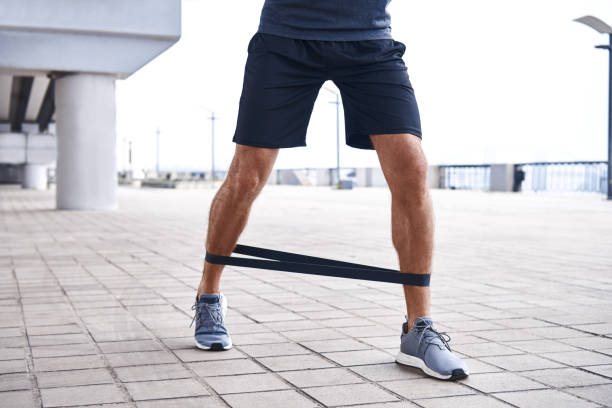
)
(405, 168)
(230, 208)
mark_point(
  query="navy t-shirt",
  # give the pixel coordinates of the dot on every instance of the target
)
(340, 20)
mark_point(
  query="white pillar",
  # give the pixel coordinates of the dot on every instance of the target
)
(86, 163)
(502, 177)
(35, 176)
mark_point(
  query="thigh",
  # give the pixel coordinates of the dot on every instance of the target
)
(279, 90)
(377, 95)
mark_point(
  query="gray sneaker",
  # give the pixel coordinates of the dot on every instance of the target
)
(210, 331)
(426, 348)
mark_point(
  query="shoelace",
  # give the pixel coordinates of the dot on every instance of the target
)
(214, 312)
(443, 336)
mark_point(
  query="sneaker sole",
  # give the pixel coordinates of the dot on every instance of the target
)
(412, 361)
(214, 346)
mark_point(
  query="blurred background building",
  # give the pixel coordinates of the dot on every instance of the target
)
(58, 64)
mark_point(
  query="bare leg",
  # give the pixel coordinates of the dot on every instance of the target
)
(405, 168)
(231, 206)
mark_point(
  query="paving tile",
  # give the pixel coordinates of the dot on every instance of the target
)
(82, 395)
(395, 404)
(521, 362)
(269, 399)
(477, 401)
(53, 339)
(12, 366)
(299, 362)
(91, 376)
(313, 334)
(477, 366)
(151, 390)
(11, 331)
(293, 325)
(12, 341)
(426, 388)
(17, 399)
(566, 377)
(64, 350)
(387, 372)
(601, 394)
(320, 377)
(579, 358)
(345, 344)
(152, 372)
(226, 367)
(257, 338)
(506, 335)
(15, 382)
(189, 402)
(360, 357)
(246, 383)
(349, 394)
(544, 399)
(381, 342)
(177, 343)
(195, 354)
(541, 346)
(68, 363)
(137, 358)
(605, 370)
(557, 332)
(55, 329)
(485, 349)
(11, 353)
(368, 331)
(270, 350)
(132, 345)
(499, 382)
(274, 317)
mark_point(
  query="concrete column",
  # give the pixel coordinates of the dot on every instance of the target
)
(86, 163)
(433, 176)
(35, 176)
(502, 177)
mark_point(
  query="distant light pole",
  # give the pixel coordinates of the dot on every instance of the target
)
(604, 28)
(337, 103)
(212, 141)
(130, 155)
(157, 153)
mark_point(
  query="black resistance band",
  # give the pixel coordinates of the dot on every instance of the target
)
(290, 262)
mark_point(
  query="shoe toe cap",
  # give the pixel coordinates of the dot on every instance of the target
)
(213, 340)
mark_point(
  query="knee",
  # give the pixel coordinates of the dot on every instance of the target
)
(410, 184)
(245, 185)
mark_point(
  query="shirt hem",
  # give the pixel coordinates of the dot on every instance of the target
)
(328, 35)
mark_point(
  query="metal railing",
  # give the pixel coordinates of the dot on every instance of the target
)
(465, 176)
(578, 176)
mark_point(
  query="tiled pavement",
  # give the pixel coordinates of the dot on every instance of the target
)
(95, 306)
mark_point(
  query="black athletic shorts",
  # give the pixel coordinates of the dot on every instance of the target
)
(282, 78)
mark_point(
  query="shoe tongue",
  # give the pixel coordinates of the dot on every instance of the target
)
(424, 321)
(209, 298)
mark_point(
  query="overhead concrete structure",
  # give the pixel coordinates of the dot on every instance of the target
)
(58, 61)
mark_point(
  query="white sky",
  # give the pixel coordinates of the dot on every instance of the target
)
(496, 81)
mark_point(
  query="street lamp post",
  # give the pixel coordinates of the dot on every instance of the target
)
(604, 28)
(212, 142)
(212, 148)
(157, 152)
(337, 103)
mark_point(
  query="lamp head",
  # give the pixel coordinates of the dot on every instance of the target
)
(595, 24)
